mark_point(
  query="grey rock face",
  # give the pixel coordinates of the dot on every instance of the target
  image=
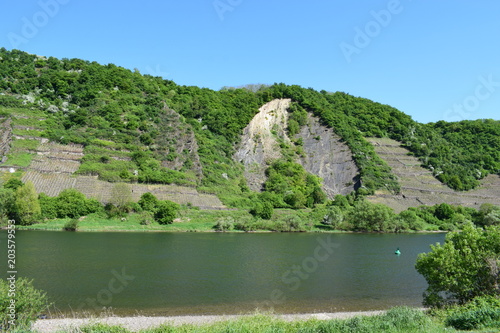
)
(324, 153)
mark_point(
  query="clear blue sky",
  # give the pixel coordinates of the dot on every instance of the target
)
(432, 60)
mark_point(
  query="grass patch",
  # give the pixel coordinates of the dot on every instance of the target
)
(19, 159)
(188, 220)
(400, 319)
(24, 112)
(27, 132)
(96, 150)
(30, 122)
(26, 144)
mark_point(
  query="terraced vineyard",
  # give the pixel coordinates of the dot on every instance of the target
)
(5, 137)
(52, 184)
(52, 169)
(420, 187)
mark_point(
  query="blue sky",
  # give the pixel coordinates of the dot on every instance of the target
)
(435, 60)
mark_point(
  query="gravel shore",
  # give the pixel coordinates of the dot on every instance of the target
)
(135, 324)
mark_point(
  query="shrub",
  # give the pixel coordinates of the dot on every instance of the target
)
(481, 312)
(370, 217)
(263, 210)
(334, 217)
(224, 224)
(71, 225)
(148, 202)
(26, 204)
(166, 211)
(467, 265)
(13, 184)
(29, 303)
(70, 203)
(6, 204)
(146, 218)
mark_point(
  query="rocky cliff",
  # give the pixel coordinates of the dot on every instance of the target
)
(326, 156)
(323, 153)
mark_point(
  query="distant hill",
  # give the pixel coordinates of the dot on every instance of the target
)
(76, 118)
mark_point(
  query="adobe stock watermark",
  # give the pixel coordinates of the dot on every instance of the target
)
(470, 104)
(223, 6)
(373, 28)
(31, 25)
(156, 72)
(293, 278)
(104, 297)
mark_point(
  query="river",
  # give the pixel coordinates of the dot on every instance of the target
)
(221, 273)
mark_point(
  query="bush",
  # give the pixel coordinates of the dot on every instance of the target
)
(466, 266)
(224, 224)
(370, 217)
(26, 204)
(334, 217)
(146, 218)
(6, 204)
(481, 312)
(264, 210)
(166, 212)
(71, 225)
(13, 183)
(148, 202)
(29, 303)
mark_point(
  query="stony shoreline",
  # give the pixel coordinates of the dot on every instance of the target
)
(138, 323)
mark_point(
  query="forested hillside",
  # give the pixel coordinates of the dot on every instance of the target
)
(141, 129)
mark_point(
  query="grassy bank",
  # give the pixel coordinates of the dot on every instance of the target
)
(195, 220)
(399, 319)
(190, 220)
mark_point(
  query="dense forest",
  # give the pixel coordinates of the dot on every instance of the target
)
(144, 129)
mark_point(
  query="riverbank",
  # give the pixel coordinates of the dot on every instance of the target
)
(195, 220)
(136, 324)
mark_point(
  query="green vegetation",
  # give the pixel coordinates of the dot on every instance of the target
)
(396, 320)
(26, 205)
(69, 203)
(288, 185)
(142, 129)
(480, 313)
(29, 304)
(345, 213)
(464, 267)
(139, 128)
(463, 276)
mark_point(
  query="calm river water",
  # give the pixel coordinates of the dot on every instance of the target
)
(215, 273)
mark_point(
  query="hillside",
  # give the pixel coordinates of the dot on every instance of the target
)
(420, 187)
(71, 123)
(321, 152)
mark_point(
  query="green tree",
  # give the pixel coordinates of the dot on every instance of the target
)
(121, 195)
(408, 220)
(13, 184)
(262, 209)
(489, 214)
(467, 265)
(367, 216)
(148, 202)
(267, 211)
(70, 203)
(444, 211)
(334, 217)
(7, 200)
(492, 218)
(26, 204)
(166, 211)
